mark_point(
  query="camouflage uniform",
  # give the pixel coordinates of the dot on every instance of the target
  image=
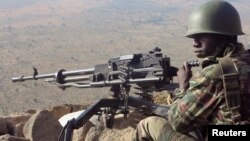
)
(202, 104)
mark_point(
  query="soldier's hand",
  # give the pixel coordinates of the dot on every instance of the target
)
(184, 74)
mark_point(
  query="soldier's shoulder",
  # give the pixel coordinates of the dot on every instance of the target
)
(211, 68)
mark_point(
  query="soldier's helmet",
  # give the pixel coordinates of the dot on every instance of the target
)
(215, 16)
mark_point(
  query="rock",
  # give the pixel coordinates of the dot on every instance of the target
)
(3, 127)
(19, 129)
(16, 118)
(94, 133)
(122, 130)
(8, 137)
(101, 133)
(8, 123)
(134, 117)
(31, 111)
(59, 111)
(117, 135)
(81, 133)
(42, 126)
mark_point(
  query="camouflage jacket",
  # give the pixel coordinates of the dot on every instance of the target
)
(204, 102)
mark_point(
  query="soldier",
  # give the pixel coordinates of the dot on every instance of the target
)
(210, 96)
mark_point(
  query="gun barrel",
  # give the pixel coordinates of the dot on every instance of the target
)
(53, 75)
(22, 78)
(71, 79)
(112, 82)
(79, 72)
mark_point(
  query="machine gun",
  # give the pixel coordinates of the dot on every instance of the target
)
(150, 72)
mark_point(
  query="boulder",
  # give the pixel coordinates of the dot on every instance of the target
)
(8, 137)
(42, 126)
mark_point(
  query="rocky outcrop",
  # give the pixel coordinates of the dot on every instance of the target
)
(43, 125)
(40, 125)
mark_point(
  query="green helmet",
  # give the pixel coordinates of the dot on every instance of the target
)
(215, 16)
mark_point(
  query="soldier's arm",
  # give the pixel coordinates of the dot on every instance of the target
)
(192, 107)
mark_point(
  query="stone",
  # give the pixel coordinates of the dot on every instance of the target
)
(42, 126)
(3, 127)
(8, 137)
(81, 133)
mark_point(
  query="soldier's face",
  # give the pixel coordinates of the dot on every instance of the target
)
(206, 44)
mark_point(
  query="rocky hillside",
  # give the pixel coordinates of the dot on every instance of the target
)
(52, 35)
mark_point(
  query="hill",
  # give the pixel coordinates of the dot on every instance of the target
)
(53, 35)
